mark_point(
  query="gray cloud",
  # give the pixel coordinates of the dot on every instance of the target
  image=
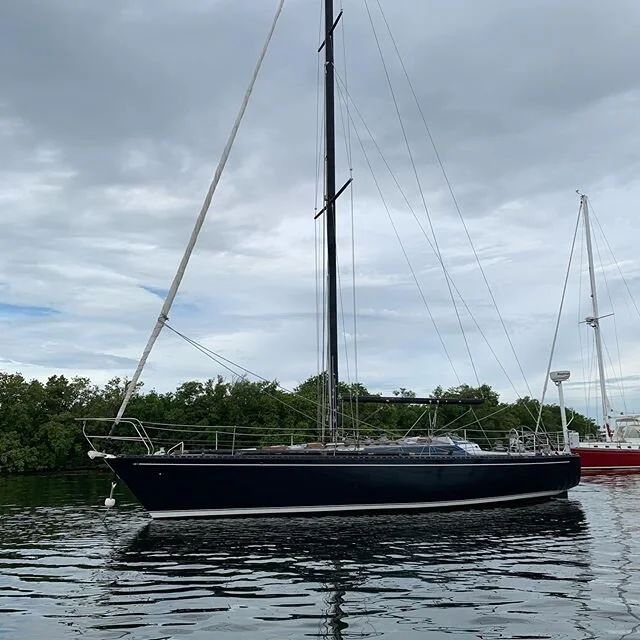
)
(112, 117)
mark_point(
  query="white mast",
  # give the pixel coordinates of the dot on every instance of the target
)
(594, 321)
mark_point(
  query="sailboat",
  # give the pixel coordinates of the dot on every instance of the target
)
(618, 446)
(334, 475)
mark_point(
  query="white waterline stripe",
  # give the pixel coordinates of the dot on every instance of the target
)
(190, 513)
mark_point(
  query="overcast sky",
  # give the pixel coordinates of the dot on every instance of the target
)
(113, 117)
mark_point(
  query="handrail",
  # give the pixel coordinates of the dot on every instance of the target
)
(175, 446)
(143, 436)
(236, 437)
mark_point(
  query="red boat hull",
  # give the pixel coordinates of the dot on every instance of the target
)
(595, 458)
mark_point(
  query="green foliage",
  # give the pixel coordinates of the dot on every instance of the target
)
(39, 430)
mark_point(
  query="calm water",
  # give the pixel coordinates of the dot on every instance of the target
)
(568, 569)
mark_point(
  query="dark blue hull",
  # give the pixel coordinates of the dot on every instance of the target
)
(259, 484)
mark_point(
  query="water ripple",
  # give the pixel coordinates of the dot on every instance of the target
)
(566, 569)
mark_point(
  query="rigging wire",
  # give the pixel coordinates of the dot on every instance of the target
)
(611, 363)
(406, 256)
(421, 191)
(344, 121)
(555, 333)
(344, 333)
(347, 125)
(476, 419)
(586, 371)
(624, 280)
(455, 200)
(229, 366)
(615, 322)
(412, 211)
(592, 376)
(319, 244)
(346, 349)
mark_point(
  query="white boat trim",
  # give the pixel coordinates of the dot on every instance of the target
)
(604, 446)
(333, 508)
(346, 464)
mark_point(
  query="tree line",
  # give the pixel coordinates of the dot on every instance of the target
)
(39, 430)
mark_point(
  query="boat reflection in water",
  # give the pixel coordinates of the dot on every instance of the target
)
(338, 577)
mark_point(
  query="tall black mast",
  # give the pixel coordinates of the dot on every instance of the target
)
(330, 212)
